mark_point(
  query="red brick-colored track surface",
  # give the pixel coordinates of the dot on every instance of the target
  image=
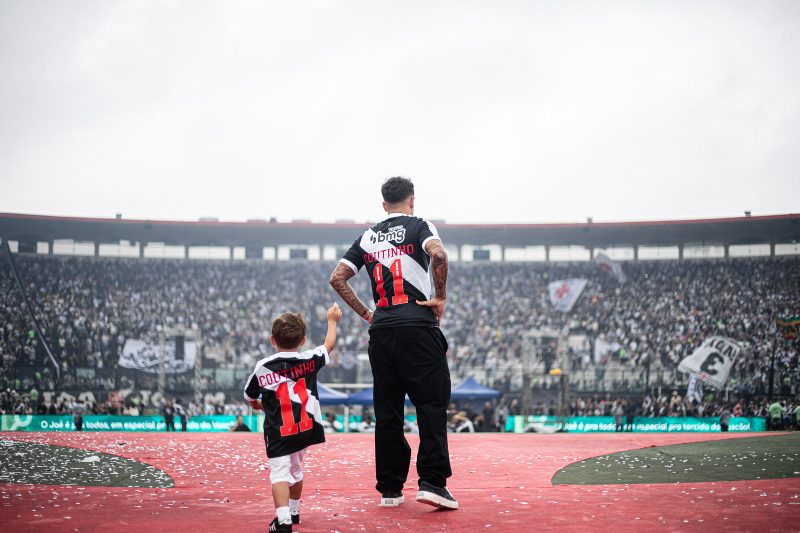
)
(502, 481)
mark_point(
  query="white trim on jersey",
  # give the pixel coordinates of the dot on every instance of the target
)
(433, 230)
(246, 397)
(350, 264)
(412, 271)
(429, 239)
(308, 354)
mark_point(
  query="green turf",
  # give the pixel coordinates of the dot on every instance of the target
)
(26, 462)
(722, 460)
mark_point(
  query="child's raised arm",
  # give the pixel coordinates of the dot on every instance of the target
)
(334, 314)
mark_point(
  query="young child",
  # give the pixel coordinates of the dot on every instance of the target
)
(284, 386)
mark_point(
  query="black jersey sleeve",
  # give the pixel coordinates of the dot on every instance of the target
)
(354, 257)
(252, 391)
(427, 233)
(321, 357)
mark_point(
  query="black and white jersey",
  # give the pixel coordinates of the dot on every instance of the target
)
(393, 252)
(287, 385)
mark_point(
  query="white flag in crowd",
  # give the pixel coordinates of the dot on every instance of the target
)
(694, 391)
(603, 348)
(612, 267)
(712, 362)
(564, 293)
(141, 355)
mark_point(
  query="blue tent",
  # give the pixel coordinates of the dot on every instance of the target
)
(364, 397)
(328, 396)
(470, 390)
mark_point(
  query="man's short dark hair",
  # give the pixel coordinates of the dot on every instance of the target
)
(289, 330)
(397, 189)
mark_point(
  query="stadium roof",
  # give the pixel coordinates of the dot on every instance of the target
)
(738, 230)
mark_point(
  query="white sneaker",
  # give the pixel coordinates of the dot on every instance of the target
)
(391, 499)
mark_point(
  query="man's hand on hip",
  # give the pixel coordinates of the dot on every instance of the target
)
(436, 304)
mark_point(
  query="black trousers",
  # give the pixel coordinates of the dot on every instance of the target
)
(410, 360)
(170, 422)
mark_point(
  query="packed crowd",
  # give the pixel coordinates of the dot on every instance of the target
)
(89, 307)
(659, 316)
(33, 402)
(676, 405)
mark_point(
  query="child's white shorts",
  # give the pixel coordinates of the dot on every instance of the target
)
(287, 468)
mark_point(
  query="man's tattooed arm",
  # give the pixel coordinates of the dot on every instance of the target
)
(339, 281)
(439, 268)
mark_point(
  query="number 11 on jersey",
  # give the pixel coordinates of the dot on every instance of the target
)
(290, 427)
(396, 272)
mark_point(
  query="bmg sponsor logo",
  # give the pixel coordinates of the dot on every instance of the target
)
(394, 234)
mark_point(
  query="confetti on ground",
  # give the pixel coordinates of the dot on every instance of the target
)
(502, 481)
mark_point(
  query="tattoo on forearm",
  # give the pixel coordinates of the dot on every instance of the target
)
(339, 282)
(439, 268)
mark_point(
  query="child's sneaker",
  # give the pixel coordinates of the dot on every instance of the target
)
(437, 496)
(391, 498)
(278, 527)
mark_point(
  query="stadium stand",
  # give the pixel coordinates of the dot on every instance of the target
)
(89, 307)
(95, 311)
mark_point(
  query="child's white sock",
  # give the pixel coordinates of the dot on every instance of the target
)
(284, 516)
(294, 506)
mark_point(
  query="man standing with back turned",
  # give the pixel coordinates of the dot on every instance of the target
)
(407, 351)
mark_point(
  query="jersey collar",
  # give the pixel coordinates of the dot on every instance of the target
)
(395, 215)
(281, 355)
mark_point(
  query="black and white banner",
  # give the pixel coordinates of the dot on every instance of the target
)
(612, 267)
(603, 350)
(694, 390)
(564, 293)
(144, 356)
(712, 362)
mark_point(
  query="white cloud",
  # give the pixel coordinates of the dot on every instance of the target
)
(503, 111)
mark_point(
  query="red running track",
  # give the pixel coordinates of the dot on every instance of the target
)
(502, 482)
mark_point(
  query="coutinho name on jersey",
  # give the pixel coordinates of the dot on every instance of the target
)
(403, 249)
(295, 373)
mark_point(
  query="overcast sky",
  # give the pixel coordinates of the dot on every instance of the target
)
(500, 111)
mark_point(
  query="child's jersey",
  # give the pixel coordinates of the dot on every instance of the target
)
(287, 385)
(393, 252)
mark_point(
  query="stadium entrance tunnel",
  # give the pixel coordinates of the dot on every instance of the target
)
(44, 464)
(750, 458)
